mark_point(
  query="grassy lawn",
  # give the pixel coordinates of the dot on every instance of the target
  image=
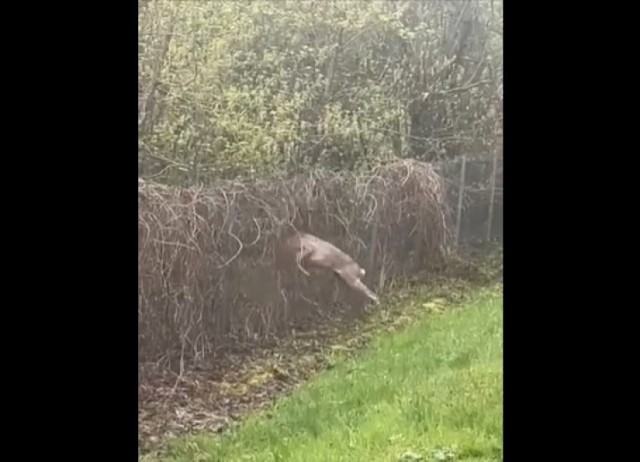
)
(431, 392)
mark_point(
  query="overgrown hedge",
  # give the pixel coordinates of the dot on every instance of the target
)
(208, 272)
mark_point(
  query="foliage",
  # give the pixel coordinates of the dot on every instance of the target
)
(230, 88)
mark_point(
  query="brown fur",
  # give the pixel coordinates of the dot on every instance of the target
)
(321, 254)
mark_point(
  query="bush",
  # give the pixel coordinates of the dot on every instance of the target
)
(208, 272)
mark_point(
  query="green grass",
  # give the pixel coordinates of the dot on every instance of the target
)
(431, 392)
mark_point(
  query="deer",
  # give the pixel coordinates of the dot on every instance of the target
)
(318, 253)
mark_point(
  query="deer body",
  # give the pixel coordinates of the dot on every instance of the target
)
(322, 254)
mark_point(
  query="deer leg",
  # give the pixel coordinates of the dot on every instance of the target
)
(358, 285)
(302, 253)
(306, 273)
(365, 290)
